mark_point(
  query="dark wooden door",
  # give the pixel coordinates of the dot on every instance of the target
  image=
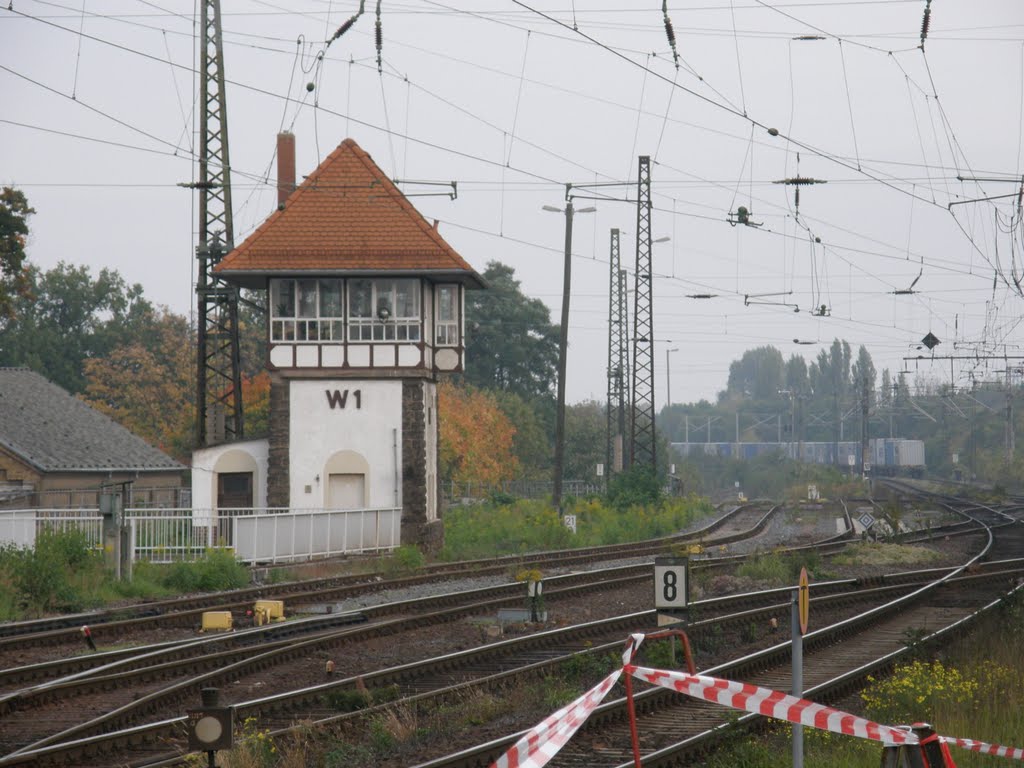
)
(234, 489)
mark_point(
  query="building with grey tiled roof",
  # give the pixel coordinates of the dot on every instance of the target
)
(51, 441)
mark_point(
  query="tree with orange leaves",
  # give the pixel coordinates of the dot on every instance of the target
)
(476, 437)
(150, 389)
(256, 404)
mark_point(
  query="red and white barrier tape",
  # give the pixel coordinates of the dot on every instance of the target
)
(543, 741)
(764, 701)
(1014, 753)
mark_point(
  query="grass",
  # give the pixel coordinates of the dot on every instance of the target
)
(487, 529)
(886, 555)
(974, 689)
(62, 573)
(776, 569)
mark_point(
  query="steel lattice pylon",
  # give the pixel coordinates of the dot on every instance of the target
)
(643, 451)
(618, 360)
(218, 381)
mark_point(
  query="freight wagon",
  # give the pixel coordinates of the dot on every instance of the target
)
(887, 455)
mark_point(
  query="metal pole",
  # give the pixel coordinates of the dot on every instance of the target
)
(798, 676)
(563, 348)
(668, 381)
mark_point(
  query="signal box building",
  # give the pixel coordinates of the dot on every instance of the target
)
(365, 303)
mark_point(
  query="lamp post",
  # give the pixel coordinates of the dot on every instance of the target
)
(563, 348)
(668, 377)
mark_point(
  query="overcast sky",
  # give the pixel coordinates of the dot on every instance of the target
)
(515, 100)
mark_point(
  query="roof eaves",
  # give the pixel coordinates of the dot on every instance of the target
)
(438, 275)
(20, 453)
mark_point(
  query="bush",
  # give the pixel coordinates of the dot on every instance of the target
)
(216, 571)
(348, 700)
(405, 559)
(916, 690)
(636, 487)
(51, 575)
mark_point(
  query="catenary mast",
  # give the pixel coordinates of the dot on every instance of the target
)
(218, 381)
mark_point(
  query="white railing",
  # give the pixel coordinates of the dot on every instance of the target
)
(170, 534)
(256, 535)
(305, 534)
(21, 526)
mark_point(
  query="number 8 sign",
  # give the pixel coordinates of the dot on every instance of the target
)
(671, 585)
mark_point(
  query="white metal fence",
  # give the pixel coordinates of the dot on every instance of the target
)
(20, 527)
(256, 535)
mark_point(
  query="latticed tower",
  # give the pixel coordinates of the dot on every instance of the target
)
(618, 360)
(218, 371)
(643, 451)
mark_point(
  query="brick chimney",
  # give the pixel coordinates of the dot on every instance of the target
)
(285, 166)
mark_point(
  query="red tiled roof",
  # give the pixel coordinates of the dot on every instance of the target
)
(347, 216)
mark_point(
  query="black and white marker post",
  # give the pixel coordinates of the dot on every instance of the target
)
(672, 592)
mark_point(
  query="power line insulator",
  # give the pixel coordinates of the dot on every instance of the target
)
(379, 38)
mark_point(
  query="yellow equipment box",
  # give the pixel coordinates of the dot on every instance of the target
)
(272, 609)
(213, 620)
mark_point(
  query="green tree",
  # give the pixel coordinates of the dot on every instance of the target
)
(758, 375)
(829, 374)
(511, 343)
(885, 394)
(532, 442)
(71, 317)
(863, 375)
(586, 431)
(796, 374)
(14, 213)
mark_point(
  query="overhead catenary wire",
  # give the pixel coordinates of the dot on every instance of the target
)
(78, 53)
(519, 97)
(739, 63)
(394, 133)
(849, 104)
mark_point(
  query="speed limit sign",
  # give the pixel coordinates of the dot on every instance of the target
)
(671, 582)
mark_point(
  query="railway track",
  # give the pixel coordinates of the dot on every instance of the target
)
(127, 736)
(110, 632)
(128, 667)
(743, 522)
(675, 730)
(500, 662)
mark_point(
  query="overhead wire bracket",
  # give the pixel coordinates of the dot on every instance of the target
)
(453, 195)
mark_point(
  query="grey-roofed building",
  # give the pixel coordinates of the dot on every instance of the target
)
(53, 444)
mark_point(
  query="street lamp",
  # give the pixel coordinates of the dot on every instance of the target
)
(668, 377)
(563, 348)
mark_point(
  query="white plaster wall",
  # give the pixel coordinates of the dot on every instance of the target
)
(318, 431)
(233, 457)
(281, 355)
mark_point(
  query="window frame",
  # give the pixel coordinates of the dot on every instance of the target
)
(447, 331)
(299, 328)
(397, 329)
